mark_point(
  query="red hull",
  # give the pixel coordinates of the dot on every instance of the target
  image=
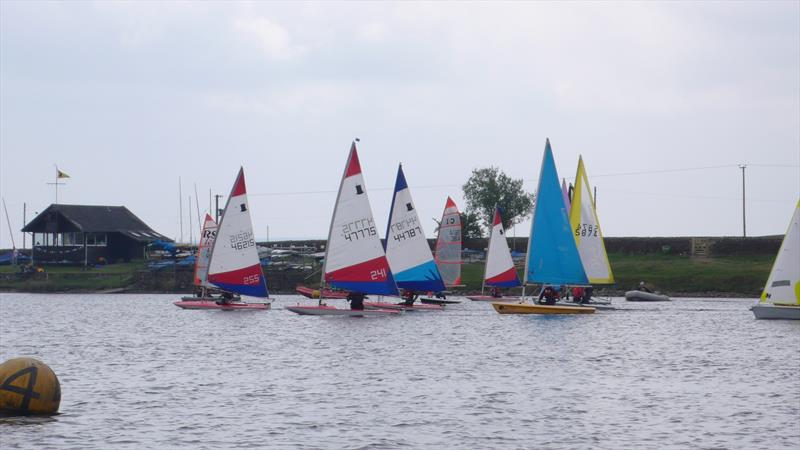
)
(194, 304)
(308, 292)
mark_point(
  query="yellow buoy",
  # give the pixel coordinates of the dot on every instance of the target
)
(28, 386)
(315, 293)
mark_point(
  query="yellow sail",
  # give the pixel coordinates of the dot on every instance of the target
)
(586, 229)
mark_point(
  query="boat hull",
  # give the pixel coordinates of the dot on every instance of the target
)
(332, 311)
(776, 312)
(439, 301)
(402, 307)
(314, 293)
(529, 308)
(489, 298)
(640, 296)
(235, 306)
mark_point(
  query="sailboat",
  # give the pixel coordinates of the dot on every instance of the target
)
(448, 251)
(204, 289)
(499, 270)
(552, 257)
(588, 235)
(781, 296)
(233, 265)
(407, 250)
(354, 257)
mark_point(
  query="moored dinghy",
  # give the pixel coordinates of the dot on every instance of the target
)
(408, 252)
(233, 265)
(552, 257)
(781, 296)
(354, 257)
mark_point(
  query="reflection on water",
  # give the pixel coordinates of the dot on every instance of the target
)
(138, 372)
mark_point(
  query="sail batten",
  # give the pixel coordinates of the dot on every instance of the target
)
(448, 245)
(552, 256)
(234, 265)
(407, 249)
(354, 257)
(783, 284)
(587, 231)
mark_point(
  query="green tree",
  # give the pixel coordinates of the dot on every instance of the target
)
(488, 187)
(470, 225)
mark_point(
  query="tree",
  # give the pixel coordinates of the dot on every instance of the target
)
(488, 187)
(470, 226)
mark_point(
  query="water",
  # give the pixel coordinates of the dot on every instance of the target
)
(137, 372)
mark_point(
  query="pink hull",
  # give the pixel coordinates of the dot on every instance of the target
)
(308, 292)
(489, 298)
(400, 306)
(194, 304)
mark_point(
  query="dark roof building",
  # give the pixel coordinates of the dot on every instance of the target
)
(89, 234)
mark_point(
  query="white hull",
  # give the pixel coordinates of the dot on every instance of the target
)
(776, 312)
(331, 311)
(641, 296)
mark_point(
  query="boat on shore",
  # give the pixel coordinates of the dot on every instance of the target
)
(781, 296)
(642, 296)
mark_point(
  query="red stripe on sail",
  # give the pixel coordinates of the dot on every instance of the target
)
(353, 167)
(248, 276)
(238, 187)
(376, 270)
(497, 218)
(508, 275)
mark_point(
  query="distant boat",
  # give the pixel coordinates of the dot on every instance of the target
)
(553, 257)
(407, 250)
(203, 289)
(448, 251)
(499, 271)
(354, 257)
(781, 296)
(233, 264)
(644, 296)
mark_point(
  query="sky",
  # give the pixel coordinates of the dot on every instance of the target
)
(663, 100)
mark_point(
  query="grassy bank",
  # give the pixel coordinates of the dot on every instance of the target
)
(672, 274)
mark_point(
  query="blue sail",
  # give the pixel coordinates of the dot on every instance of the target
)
(553, 256)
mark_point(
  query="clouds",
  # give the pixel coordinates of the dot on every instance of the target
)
(157, 91)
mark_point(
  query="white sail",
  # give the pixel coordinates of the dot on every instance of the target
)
(500, 270)
(783, 284)
(207, 237)
(448, 245)
(587, 232)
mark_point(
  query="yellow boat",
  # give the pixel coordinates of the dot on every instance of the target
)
(528, 308)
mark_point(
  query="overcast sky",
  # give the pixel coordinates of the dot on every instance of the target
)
(128, 97)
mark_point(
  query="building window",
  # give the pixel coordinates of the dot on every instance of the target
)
(96, 239)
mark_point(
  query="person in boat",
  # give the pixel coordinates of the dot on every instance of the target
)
(548, 296)
(225, 299)
(495, 293)
(644, 288)
(440, 295)
(408, 297)
(356, 300)
(578, 294)
(587, 294)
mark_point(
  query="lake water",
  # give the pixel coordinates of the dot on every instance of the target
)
(137, 372)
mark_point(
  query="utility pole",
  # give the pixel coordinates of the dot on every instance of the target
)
(216, 209)
(744, 222)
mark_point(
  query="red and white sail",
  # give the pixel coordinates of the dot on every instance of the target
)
(448, 245)
(354, 257)
(234, 265)
(207, 238)
(500, 269)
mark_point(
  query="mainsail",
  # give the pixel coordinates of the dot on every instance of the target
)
(234, 265)
(586, 228)
(552, 256)
(783, 284)
(354, 257)
(407, 248)
(500, 269)
(207, 237)
(448, 245)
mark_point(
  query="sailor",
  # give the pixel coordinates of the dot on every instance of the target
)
(495, 292)
(587, 294)
(356, 300)
(577, 294)
(408, 297)
(549, 295)
(225, 299)
(643, 288)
